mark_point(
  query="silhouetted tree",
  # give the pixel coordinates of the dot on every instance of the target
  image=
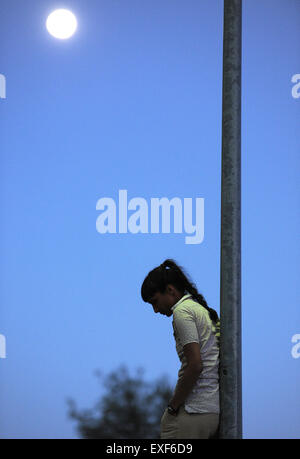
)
(130, 408)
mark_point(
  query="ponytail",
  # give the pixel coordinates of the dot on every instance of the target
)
(171, 273)
(190, 288)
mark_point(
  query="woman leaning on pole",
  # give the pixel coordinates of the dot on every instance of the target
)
(193, 411)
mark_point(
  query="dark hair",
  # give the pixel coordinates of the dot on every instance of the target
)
(158, 279)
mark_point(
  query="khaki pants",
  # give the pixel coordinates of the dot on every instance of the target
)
(188, 425)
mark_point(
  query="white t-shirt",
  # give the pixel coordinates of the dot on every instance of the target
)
(191, 323)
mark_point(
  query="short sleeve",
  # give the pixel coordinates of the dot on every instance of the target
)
(185, 326)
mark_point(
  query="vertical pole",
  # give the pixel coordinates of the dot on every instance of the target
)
(230, 294)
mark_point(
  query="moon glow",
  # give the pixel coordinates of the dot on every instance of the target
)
(61, 23)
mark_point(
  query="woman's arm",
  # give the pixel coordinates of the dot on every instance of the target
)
(190, 375)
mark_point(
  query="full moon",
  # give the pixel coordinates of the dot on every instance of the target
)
(61, 23)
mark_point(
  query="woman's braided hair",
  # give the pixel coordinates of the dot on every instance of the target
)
(158, 279)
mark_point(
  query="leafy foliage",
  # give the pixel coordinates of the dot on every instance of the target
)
(131, 408)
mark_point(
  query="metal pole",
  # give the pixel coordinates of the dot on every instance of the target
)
(230, 294)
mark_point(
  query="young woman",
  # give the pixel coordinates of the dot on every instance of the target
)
(193, 411)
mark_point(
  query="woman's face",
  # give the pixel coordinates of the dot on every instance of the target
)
(163, 302)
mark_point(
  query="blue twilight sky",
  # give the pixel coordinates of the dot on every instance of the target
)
(133, 101)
